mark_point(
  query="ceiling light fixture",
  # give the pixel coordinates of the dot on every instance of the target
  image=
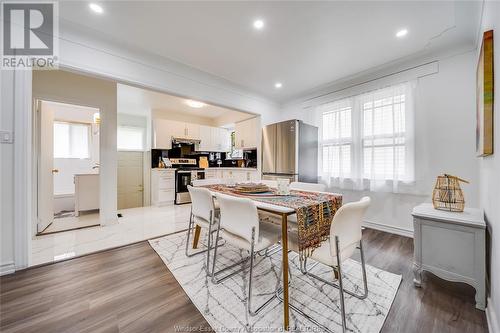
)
(278, 85)
(401, 33)
(258, 24)
(96, 8)
(195, 104)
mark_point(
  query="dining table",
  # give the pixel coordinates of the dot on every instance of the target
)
(283, 212)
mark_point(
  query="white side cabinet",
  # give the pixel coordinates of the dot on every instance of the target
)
(451, 246)
(162, 186)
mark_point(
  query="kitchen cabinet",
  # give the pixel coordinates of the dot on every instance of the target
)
(214, 139)
(162, 186)
(236, 174)
(164, 130)
(162, 134)
(246, 133)
(222, 139)
(192, 131)
(205, 138)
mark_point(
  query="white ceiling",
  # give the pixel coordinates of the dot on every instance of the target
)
(303, 44)
(137, 101)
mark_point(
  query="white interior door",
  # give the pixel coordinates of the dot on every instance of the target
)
(45, 166)
(130, 179)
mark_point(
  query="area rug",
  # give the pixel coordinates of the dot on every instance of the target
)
(223, 305)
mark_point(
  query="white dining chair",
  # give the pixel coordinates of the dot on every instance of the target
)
(241, 227)
(345, 238)
(205, 215)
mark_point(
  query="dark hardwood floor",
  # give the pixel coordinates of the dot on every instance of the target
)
(129, 289)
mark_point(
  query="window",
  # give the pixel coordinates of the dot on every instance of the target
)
(130, 138)
(366, 141)
(337, 139)
(71, 140)
(234, 153)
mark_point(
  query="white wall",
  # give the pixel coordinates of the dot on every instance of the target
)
(6, 175)
(445, 140)
(490, 176)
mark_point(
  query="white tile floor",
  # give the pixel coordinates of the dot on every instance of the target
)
(73, 222)
(137, 224)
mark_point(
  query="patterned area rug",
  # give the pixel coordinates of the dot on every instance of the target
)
(223, 305)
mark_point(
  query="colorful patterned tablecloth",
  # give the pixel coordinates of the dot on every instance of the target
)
(315, 211)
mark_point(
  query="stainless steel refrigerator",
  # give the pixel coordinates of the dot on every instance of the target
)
(290, 150)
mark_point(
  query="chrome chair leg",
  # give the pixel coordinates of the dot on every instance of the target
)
(363, 269)
(189, 233)
(269, 300)
(209, 241)
(209, 238)
(270, 251)
(278, 293)
(215, 273)
(341, 287)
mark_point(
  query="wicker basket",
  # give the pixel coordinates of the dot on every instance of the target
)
(447, 194)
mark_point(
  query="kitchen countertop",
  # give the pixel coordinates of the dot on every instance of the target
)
(212, 168)
(232, 168)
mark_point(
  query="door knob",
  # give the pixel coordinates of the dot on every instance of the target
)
(55, 170)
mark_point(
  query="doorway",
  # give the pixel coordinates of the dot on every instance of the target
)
(130, 179)
(68, 166)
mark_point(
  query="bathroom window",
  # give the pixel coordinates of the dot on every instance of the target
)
(71, 140)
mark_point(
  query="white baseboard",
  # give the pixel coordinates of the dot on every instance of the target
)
(491, 317)
(388, 228)
(7, 268)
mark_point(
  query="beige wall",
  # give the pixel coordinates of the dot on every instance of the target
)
(66, 87)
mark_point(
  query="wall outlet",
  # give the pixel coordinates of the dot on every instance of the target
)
(6, 137)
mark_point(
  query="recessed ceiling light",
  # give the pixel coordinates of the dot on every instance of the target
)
(96, 8)
(195, 104)
(401, 33)
(258, 24)
(278, 85)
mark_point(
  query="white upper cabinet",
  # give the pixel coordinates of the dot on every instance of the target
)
(214, 139)
(162, 133)
(206, 138)
(165, 130)
(192, 131)
(246, 133)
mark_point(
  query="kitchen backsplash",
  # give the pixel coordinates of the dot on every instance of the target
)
(249, 159)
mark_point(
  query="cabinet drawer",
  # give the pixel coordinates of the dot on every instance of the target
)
(167, 178)
(166, 185)
(166, 175)
(211, 174)
(166, 195)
